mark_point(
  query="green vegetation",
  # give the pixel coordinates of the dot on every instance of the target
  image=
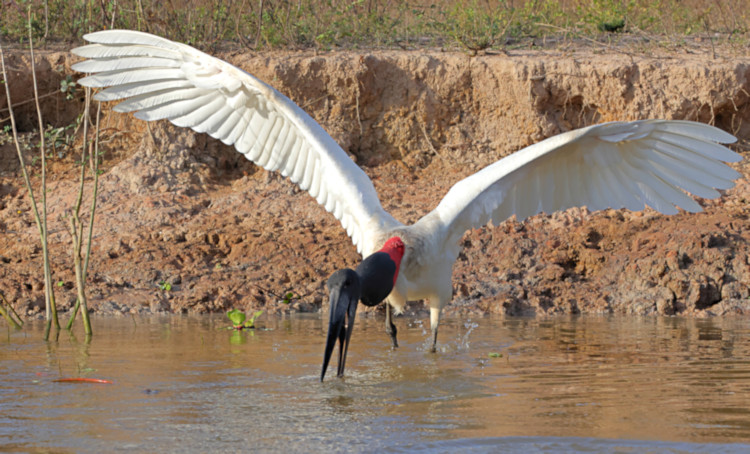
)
(240, 320)
(75, 224)
(289, 297)
(469, 24)
(40, 215)
(9, 314)
(55, 142)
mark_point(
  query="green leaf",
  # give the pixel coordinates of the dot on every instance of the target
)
(237, 317)
(495, 355)
(251, 323)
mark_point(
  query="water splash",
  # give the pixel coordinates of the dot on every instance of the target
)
(460, 344)
(463, 340)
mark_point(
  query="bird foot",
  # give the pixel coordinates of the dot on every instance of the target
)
(391, 330)
(392, 333)
(433, 349)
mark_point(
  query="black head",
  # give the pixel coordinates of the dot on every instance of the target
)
(344, 292)
(379, 271)
(377, 274)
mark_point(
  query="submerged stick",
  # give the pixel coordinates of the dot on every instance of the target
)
(82, 380)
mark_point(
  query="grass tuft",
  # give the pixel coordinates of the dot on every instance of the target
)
(325, 24)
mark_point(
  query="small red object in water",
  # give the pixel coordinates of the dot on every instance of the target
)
(82, 380)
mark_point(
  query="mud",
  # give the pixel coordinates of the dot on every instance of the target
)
(181, 208)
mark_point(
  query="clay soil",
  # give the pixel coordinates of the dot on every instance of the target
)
(181, 208)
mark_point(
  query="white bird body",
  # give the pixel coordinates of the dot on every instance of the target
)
(619, 164)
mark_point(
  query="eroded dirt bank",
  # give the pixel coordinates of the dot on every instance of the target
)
(182, 208)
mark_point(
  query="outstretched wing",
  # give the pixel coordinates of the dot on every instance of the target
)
(160, 79)
(611, 165)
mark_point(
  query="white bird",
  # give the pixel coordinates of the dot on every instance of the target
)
(610, 165)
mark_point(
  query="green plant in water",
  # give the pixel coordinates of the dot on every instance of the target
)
(10, 314)
(240, 320)
(76, 226)
(40, 216)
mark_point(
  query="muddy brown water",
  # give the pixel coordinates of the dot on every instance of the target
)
(182, 384)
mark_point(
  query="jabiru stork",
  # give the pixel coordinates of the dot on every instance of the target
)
(611, 165)
(370, 283)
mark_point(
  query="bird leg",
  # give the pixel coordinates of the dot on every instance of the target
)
(390, 328)
(434, 322)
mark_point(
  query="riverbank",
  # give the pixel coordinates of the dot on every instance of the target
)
(182, 209)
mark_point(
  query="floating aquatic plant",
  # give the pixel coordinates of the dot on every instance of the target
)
(240, 320)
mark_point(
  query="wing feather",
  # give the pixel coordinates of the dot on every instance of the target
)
(96, 51)
(159, 98)
(619, 164)
(601, 196)
(626, 196)
(223, 129)
(160, 79)
(119, 63)
(266, 134)
(139, 88)
(197, 118)
(286, 136)
(247, 135)
(697, 145)
(685, 175)
(317, 186)
(288, 168)
(238, 129)
(213, 122)
(131, 76)
(301, 164)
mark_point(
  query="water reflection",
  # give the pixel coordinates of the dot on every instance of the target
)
(184, 383)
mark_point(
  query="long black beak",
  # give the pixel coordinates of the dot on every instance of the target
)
(343, 301)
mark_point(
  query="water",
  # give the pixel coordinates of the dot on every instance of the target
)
(181, 384)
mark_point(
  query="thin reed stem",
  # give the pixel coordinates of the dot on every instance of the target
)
(49, 294)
